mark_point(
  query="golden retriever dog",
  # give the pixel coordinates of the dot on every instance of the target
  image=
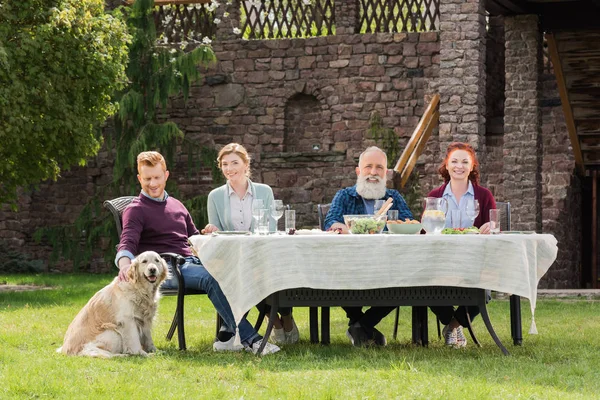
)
(118, 319)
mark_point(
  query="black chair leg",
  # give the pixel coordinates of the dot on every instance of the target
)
(396, 323)
(173, 327)
(470, 327)
(261, 317)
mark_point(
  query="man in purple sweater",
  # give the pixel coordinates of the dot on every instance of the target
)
(155, 221)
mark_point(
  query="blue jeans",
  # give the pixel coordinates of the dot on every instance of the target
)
(197, 277)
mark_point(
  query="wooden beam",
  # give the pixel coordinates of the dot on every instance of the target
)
(594, 230)
(432, 123)
(506, 7)
(564, 99)
(417, 133)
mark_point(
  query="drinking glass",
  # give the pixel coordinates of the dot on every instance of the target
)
(472, 209)
(392, 215)
(378, 205)
(257, 213)
(277, 209)
(455, 218)
(290, 222)
(494, 221)
(263, 222)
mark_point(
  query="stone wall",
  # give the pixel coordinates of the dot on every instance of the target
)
(302, 106)
(561, 193)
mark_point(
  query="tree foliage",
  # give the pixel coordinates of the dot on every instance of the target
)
(156, 72)
(60, 63)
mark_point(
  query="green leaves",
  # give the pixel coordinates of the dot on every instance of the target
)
(60, 63)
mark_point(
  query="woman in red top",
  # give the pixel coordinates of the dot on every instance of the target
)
(460, 170)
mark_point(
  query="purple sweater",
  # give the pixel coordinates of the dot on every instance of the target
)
(161, 226)
(485, 197)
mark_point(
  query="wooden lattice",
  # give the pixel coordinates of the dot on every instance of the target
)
(273, 19)
(398, 15)
(178, 22)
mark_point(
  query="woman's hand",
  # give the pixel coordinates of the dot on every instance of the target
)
(485, 229)
(208, 229)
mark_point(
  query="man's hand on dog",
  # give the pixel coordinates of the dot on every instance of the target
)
(124, 264)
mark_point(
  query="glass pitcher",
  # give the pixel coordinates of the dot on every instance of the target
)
(434, 214)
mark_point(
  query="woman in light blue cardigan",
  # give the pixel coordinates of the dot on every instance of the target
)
(230, 209)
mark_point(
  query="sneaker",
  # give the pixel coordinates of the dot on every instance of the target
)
(292, 336)
(357, 335)
(227, 346)
(270, 348)
(223, 335)
(461, 340)
(449, 336)
(279, 336)
(379, 338)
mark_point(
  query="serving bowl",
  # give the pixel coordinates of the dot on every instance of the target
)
(365, 224)
(404, 229)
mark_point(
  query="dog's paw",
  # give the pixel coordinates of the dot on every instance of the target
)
(142, 353)
(151, 349)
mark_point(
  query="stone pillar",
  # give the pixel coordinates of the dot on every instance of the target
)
(346, 17)
(229, 22)
(522, 121)
(462, 73)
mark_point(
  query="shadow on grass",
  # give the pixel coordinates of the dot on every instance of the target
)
(67, 289)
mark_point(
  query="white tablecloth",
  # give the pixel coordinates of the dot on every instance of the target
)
(250, 268)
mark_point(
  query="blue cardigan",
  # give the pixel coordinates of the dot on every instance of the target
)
(219, 212)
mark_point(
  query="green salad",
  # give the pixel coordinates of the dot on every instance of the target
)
(460, 231)
(366, 226)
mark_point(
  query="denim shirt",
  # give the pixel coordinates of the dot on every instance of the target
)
(465, 222)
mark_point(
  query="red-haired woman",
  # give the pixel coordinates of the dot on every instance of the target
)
(460, 170)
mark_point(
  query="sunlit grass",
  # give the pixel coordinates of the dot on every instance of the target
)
(561, 362)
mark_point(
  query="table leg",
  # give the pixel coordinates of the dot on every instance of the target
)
(420, 330)
(314, 324)
(516, 329)
(486, 319)
(272, 316)
(325, 325)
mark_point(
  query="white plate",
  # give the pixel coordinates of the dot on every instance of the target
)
(231, 233)
(313, 232)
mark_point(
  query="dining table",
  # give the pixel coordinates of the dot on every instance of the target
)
(251, 267)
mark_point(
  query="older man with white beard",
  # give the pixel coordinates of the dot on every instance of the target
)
(360, 199)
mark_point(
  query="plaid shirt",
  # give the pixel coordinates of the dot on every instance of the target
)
(347, 202)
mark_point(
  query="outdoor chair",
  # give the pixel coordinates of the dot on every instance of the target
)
(116, 207)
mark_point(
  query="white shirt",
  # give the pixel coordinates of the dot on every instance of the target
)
(241, 209)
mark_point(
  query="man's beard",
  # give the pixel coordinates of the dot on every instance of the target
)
(369, 190)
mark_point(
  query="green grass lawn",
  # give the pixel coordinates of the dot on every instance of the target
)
(563, 361)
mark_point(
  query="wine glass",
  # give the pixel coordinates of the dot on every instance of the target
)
(257, 212)
(472, 209)
(277, 209)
